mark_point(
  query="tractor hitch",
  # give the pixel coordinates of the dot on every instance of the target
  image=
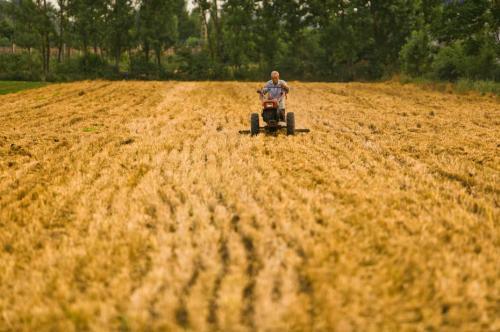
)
(271, 130)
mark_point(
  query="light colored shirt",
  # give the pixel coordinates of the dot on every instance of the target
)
(274, 90)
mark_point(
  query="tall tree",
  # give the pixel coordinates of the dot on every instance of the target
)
(44, 28)
(203, 7)
(88, 18)
(62, 21)
(157, 27)
(238, 32)
(6, 25)
(120, 19)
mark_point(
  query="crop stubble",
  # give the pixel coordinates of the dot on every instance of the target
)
(136, 205)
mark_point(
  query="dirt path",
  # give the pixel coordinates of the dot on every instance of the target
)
(137, 206)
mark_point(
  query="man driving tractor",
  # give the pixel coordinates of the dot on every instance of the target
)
(277, 89)
(273, 110)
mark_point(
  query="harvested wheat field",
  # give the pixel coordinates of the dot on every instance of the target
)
(138, 206)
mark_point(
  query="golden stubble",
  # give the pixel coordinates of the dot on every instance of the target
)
(138, 206)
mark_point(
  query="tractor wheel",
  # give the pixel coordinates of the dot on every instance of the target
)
(254, 124)
(290, 123)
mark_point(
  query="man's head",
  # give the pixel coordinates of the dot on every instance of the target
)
(275, 76)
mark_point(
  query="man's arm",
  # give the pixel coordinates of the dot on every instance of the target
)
(285, 86)
(266, 88)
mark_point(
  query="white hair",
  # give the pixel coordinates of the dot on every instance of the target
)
(274, 72)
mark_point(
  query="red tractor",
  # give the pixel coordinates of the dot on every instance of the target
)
(274, 118)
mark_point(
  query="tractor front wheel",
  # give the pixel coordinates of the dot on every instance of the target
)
(254, 124)
(290, 123)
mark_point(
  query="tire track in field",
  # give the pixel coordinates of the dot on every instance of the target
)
(151, 137)
(255, 289)
(253, 267)
(100, 89)
(306, 285)
(213, 306)
(181, 313)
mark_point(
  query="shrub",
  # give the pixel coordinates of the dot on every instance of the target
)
(415, 56)
(20, 67)
(66, 71)
(141, 68)
(193, 65)
(94, 66)
(484, 66)
(449, 63)
(483, 87)
(89, 66)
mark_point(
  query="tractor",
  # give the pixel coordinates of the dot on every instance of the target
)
(273, 117)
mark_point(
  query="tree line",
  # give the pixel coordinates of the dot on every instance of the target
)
(319, 40)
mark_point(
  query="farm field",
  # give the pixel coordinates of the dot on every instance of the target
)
(137, 206)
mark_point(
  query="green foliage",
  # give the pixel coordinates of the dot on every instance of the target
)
(449, 63)
(141, 68)
(193, 65)
(6, 27)
(157, 28)
(15, 86)
(452, 63)
(333, 40)
(462, 19)
(88, 66)
(88, 22)
(20, 67)
(461, 86)
(27, 28)
(485, 65)
(118, 27)
(92, 64)
(238, 33)
(484, 87)
(415, 56)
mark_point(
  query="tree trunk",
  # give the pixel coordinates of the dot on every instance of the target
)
(60, 52)
(47, 58)
(379, 40)
(85, 42)
(30, 62)
(208, 38)
(146, 50)
(217, 29)
(46, 40)
(117, 59)
(204, 27)
(44, 61)
(158, 59)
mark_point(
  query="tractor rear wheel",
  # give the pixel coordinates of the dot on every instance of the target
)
(290, 123)
(254, 124)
